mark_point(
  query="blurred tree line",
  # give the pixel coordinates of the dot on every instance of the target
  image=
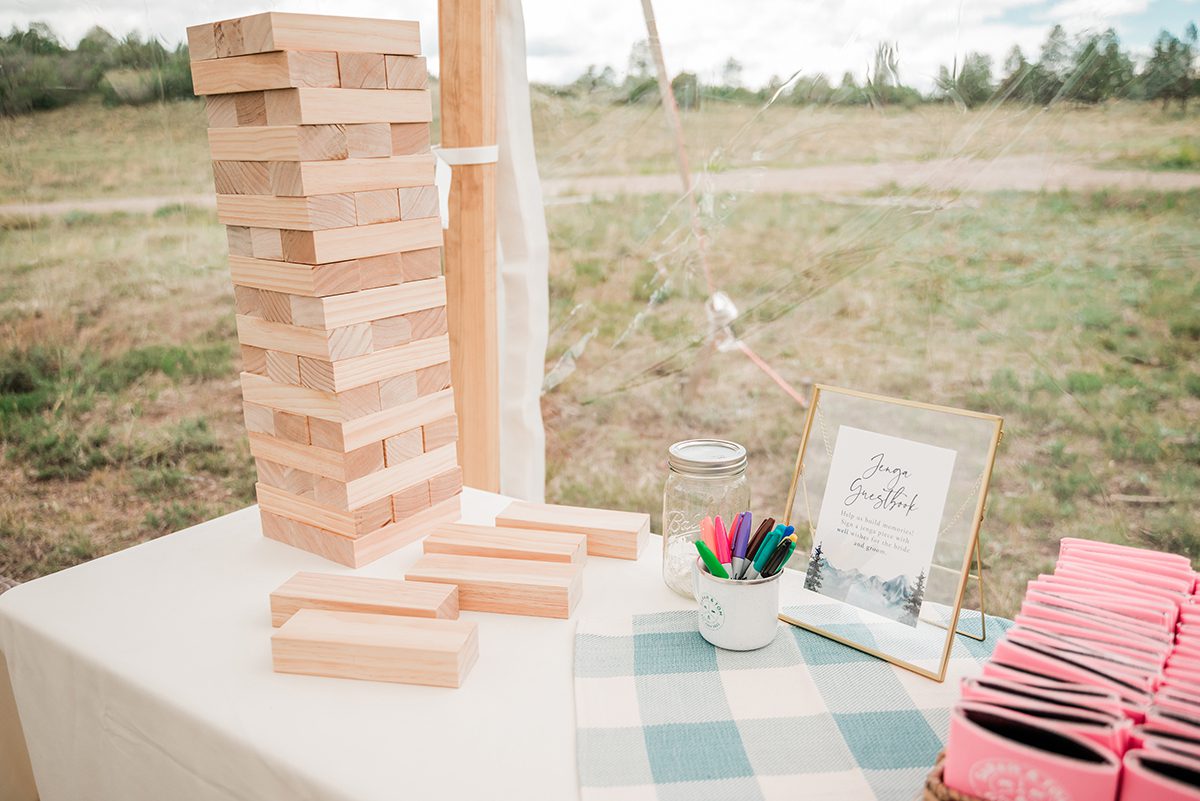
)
(38, 72)
(1091, 68)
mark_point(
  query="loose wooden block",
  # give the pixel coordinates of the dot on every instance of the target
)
(440, 432)
(342, 244)
(359, 551)
(370, 305)
(506, 543)
(406, 72)
(506, 586)
(278, 70)
(403, 446)
(353, 645)
(371, 140)
(421, 264)
(335, 406)
(376, 206)
(409, 138)
(240, 177)
(619, 535)
(420, 201)
(308, 106)
(272, 143)
(380, 596)
(364, 71)
(274, 30)
(301, 178)
(347, 372)
(299, 213)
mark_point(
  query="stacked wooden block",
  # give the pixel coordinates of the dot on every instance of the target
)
(319, 134)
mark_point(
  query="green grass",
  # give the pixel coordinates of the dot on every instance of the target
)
(1180, 153)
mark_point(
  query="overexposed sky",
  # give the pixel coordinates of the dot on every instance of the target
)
(769, 37)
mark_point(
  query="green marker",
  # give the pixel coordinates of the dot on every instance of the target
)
(710, 560)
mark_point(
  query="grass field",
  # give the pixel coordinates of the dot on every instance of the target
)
(1075, 316)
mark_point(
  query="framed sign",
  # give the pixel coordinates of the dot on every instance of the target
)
(887, 499)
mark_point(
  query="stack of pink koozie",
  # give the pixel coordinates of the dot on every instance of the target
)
(1094, 694)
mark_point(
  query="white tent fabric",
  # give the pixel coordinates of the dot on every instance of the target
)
(523, 256)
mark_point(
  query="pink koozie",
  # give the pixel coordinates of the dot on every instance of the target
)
(1159, 776)
(1001, 755)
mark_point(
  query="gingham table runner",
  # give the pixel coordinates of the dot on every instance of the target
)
(663, 715)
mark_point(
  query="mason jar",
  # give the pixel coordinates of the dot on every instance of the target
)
(706, 477)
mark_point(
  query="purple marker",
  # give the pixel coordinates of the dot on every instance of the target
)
(741, 540)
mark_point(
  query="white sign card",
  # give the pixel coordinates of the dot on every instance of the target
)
(879, 522)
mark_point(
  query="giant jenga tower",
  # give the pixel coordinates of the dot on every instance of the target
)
(319, 133)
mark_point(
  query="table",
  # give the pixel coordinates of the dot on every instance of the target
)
(147, 675)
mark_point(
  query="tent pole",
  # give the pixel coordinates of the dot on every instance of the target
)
(467, 44)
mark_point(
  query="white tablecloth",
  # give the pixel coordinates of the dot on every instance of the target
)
(147, 675)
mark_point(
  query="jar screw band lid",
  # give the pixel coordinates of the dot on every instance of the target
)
(707, 457)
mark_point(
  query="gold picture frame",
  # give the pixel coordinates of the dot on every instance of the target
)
(957, 541)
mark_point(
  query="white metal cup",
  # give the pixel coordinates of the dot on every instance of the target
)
(736, 615)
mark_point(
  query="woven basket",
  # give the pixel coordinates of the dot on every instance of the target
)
(936, 791)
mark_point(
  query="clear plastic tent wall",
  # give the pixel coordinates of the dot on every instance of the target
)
(1016, 237)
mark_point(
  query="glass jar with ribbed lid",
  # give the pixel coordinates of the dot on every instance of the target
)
(705, 478)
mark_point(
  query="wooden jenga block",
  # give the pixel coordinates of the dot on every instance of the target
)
(254, 360)
(291, 427)
(283, 368)
(296, 279)
(250, 108)
(221, 111)
(341, 244)
(362, 70)
(326, 345)
(422, 264)
(311, 512)
(374, 486)
(278, 70)
(403, 446)
(353, 645)
(288, 479)
(238, 238)
(390, 332)
(619, 535)
(344, 467)
(300, 213)
(398, 390)
(318, 372)
(240, 177)
(371, 140)
(369, 305)
(378, 596)
(419, 201)
(358, 551)
(433, 379)
(274, 30)
(276, 306)
(409, 501)
(507, 586)
(381, 271)
(273, 143)
(247, 301)
(266, 243)
(337, 406)
(298, 178)
(440, 432)
(259, 419)
(446, 485)
(506, 543)
(427, 323)
(376, 206)
(333, 106)
(406, 72)
(363, 430)
(409, 138)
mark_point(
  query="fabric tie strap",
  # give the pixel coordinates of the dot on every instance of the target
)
(449, 157)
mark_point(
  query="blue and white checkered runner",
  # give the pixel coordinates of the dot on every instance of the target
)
(663, 715)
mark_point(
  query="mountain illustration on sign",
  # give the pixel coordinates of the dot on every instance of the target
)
(898, 598)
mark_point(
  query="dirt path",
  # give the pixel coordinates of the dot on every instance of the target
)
(1008, 173)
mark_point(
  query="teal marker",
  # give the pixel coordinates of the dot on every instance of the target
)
(763, 553)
